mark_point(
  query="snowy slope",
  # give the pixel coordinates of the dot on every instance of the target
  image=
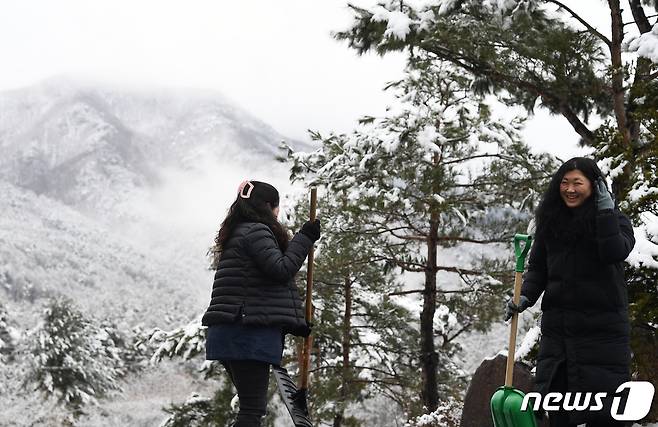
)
(49, 249)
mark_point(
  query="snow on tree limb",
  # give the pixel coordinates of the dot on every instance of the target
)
(645, 45)
(186, 341)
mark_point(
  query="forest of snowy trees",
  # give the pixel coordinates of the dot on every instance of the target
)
(418, 208)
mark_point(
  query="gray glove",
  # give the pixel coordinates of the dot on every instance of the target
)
(511, 308)
(603, 197)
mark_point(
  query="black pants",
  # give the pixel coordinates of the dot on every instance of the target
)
(250, 379)
(561, 418)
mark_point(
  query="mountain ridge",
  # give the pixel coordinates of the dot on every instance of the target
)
(76, 142)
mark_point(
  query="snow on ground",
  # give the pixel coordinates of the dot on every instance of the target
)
(140, 403)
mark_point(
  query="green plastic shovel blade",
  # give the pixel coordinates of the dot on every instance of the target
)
(506, 409)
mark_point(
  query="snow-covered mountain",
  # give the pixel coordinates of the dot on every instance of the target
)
(99, 147)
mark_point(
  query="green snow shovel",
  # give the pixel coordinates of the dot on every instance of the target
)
(506, 401)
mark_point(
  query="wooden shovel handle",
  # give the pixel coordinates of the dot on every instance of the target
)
(520, 253)
(311, 257)
(509, 372)
(306, 352)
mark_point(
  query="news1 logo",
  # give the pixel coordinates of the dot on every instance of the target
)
(638, 403)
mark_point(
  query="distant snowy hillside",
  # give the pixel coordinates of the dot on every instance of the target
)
(99, 148)
(48, 249)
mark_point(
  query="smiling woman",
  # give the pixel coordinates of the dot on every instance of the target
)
(576, 261)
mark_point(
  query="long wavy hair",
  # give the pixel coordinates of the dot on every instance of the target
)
(256, 208)
(554, 219)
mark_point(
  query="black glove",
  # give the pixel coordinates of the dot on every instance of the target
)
(511, 308)
(304, 331)
(311, 229)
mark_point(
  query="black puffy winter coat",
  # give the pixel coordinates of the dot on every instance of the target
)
(254, 280)
(584, 309)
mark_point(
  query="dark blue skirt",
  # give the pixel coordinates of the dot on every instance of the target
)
(235, 341)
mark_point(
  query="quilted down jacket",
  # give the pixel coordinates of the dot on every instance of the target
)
(254, 280)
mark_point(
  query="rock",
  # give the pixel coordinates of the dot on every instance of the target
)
(487, 378)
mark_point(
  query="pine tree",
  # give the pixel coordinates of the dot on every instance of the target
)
(72, 358)
(441, 174)
(186, 341)
(6, 340)
(203, 412)
(363, 340)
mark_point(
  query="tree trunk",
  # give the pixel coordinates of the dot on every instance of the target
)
(429, 358)
(642, 71)
(346, 374)
(639, 16)
(618, 71)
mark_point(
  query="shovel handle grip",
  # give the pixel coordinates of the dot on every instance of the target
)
(311, 258)
(511, 348)
(521, 251)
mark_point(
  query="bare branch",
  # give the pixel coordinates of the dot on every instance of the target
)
(474, 157)
(325, 283)
(447, 339)
(418, 291)
(576, 123)
(635, 22)
(469, 240)
(651, 76)
(323, 367)
(582, 21)
(460, 270)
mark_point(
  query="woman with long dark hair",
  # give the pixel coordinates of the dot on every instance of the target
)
(254, 299)
(576, 261)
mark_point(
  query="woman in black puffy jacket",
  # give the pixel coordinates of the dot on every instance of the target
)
(576, 261)
(254, 299)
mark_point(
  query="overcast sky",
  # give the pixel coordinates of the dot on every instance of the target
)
(274, 58)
